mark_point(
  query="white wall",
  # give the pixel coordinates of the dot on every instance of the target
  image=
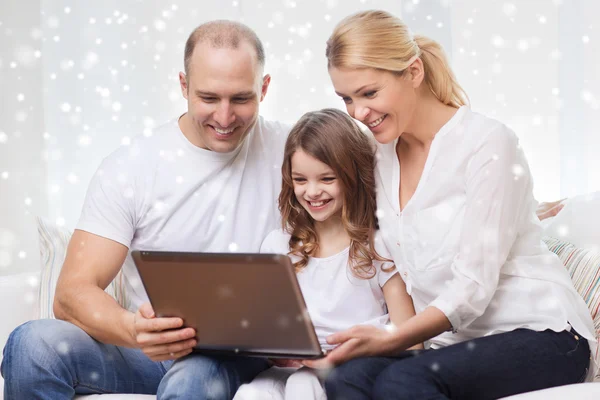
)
(108, 71)
(23, 173)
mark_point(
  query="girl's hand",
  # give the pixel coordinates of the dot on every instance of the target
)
(285, 363)
(358, 341)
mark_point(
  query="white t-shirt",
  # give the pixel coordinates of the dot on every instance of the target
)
(469, 242)
(336, 299)
(163, 193)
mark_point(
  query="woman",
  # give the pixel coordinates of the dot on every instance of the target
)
(456, 210)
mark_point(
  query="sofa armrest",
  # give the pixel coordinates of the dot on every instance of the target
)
(18, 302)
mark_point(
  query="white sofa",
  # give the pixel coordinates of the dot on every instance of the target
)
(19, 295)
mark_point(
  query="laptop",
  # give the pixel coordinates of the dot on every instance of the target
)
(239, 304)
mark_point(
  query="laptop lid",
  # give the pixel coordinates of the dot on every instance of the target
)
(244, 304)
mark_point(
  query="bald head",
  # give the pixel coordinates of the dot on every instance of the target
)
(223, 34)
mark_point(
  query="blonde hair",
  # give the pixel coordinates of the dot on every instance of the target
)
(377, 39)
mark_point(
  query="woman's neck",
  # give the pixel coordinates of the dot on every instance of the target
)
(332, 237)
(429, 117)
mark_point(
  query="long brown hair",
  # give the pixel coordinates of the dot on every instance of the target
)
(332, 137)
(377, 39)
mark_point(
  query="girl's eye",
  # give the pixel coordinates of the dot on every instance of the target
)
(299, 180)
(329, 179)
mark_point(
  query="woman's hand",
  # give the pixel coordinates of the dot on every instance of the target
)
(358, 341)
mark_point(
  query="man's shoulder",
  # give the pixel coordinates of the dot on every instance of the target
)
(272, 132)
(143, 150)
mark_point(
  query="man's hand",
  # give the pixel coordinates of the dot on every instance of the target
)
(159, 338)
(549, 209)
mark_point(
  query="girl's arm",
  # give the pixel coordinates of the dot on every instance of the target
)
(399, 303)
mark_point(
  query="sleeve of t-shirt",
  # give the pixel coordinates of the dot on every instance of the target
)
(381, 248)
(276, 242)
(109, 206)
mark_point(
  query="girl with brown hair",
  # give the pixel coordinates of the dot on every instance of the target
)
(328, 211)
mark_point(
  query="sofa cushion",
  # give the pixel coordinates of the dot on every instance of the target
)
(584, 267)
(53, 249)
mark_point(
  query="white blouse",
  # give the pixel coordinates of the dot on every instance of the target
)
(469, 242)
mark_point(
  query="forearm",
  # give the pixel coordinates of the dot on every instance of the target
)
(98, 314)
(423, 326)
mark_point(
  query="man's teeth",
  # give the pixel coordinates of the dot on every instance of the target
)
(377, 122)
(224, 131)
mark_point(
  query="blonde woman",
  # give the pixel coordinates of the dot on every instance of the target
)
(456, 210)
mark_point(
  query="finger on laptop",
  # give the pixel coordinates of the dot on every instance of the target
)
(171, 348)
(146, 338)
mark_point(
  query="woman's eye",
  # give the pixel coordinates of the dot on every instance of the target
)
(370, 94)
(347, 100)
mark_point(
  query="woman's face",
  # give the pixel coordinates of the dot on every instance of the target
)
(383, 101)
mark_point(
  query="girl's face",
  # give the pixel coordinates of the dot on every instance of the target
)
(316, 187)
(381, 100)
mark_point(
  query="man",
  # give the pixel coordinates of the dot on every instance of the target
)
(205, 182)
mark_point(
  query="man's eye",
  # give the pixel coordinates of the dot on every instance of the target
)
(241, 100)
(209, 99)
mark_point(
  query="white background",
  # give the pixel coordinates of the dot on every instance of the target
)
(78, 79)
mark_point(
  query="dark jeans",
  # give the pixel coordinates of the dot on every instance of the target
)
(485, 368)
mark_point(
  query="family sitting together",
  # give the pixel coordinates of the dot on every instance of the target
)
(420, 234)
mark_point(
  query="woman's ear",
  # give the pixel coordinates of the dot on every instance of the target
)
(416, 72)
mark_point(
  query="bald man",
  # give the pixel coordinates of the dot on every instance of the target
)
(191, 186)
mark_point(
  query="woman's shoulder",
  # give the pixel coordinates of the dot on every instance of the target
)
(484, 127)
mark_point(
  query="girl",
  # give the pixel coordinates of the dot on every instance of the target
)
(457, 211)
(328, 207)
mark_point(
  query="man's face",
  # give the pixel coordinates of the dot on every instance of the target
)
(223, 89)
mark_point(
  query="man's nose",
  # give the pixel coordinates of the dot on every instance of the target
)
(224, 115)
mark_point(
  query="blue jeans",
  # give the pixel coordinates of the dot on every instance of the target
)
(485, 368)
(52, 359)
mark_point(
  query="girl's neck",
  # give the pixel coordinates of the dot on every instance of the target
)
(332, 237)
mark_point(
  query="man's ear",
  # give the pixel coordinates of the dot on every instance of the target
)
(184, 85)
(265, 86)
(417, 72)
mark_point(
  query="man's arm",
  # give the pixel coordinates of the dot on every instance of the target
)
(91, 264)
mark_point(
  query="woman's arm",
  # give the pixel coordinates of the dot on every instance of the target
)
(498, 198)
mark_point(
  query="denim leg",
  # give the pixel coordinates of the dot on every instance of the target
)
(201, 377)
(354, 380)
(53, 359)
(488, 368)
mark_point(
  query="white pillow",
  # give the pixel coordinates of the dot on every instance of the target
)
(53, 249)
(578, 222)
